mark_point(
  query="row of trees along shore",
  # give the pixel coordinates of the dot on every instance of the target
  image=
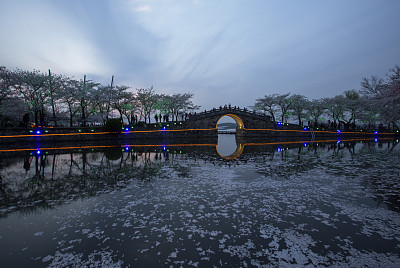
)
(67, 101)
(375, 105)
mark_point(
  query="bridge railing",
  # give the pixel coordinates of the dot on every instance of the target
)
(234, 109)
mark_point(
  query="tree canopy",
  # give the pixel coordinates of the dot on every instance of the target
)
(82, 101)
(378, 101)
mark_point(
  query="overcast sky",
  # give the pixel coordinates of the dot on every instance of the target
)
(223, 51)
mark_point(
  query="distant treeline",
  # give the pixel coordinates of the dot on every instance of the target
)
(62, 99)
(376, 104)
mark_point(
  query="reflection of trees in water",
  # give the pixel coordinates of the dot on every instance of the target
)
(382, 174)
(371, 161)
(286, 162)
(386, 189)
(48, 180)
(53, 180)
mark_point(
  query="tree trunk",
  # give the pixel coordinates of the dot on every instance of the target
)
(52, 100)
(83, 113)
(82, 103)
(273, 116)
(70, 119)
(36, 118)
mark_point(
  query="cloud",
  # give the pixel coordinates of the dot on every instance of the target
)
(145, 8)
(40, 36)
(234, 51)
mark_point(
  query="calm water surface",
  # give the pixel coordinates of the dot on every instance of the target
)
(236, 204)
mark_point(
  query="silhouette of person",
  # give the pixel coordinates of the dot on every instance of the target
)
(41, 119)
(27, 164)
(25, 119)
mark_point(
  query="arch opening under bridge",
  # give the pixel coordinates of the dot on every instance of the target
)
(237, 119)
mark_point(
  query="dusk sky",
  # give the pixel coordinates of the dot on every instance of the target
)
(223, 51)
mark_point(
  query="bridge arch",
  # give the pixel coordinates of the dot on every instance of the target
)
(238, 120)
(235, 154)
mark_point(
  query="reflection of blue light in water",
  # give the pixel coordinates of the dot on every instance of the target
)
(338, 141)
(376, 132)
(279, 149)
(338, 131)
(376, 139)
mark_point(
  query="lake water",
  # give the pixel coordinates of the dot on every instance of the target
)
(280, 203)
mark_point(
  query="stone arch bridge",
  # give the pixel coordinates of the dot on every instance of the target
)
(244, 119)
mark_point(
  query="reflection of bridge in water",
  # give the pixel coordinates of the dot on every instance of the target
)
(238, 147)
(91, 169)
(235, 150)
